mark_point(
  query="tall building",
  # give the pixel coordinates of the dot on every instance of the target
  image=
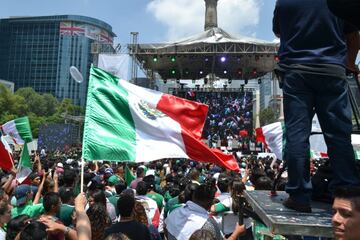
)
(37, 52)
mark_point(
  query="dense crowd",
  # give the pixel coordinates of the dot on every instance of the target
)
(165, 199)
(229, 117)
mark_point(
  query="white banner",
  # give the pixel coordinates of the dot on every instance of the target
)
(118, 64)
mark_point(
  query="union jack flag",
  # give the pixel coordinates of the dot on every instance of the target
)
(105, 37)
(72, 29)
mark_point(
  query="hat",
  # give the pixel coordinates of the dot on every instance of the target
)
(60, 165)
(21, 193)
(109, 171)
(113, 180)
(69, 161)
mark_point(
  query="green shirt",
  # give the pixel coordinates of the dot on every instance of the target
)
(30, 210)
(219, 208)
(113, 200)
(158, 198)
(260, 230)
(172, 204)
(65, 213)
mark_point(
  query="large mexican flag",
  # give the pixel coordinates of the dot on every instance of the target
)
(18, 129)
(125, 122)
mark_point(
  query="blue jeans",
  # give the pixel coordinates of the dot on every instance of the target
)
(304, 95)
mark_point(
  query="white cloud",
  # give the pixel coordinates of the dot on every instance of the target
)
(276, 40)
(186, 17)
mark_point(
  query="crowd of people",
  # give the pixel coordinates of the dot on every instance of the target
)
(229, 117)
(165, 199)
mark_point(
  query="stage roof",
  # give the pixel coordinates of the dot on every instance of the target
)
(212, 51)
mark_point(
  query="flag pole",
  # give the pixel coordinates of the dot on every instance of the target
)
(19, 163)
(82, 176)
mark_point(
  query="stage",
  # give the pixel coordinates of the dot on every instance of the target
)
(284, 221)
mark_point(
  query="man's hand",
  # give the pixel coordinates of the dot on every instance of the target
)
(80, 202)
(52, 226)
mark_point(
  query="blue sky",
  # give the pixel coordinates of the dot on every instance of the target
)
(156, 20)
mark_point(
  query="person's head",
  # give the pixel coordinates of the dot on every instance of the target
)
(224, 184)
(125, 204)
(97, 196)
(263, 183)
(346, 213)
(69, 177)
(66, 195)
(150, 182)
(140, 172)
(141, 188)
(202, 234)
(35, 179)
(117, 236)
(16, 225)
(34, 231)
(120, 171)
(204, 196)
(140, 213)
(24, 193)
(189, 190)
(5, 212)
(99, 220)
(121, 186)
(48, 186)
(113, 180)
(194, 174)
(52, 202)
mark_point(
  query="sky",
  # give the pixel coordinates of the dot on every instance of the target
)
(156, 20)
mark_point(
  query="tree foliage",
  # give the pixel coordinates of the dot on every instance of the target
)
(267, 116)
(40, 108)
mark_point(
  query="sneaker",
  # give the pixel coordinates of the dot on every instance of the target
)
(299, 207)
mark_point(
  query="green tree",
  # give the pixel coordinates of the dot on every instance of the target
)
(267, 116)
(35, 101)
(50, 104)
(11, 106)
(40, 108)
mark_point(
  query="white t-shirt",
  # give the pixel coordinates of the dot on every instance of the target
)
(2, 234)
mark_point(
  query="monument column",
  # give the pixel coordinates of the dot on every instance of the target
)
(210, 14)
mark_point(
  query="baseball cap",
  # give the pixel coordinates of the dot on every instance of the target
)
(21, 193)
(109, 171)
(113, 180)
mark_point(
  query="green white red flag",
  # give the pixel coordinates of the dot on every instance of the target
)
(125, 122)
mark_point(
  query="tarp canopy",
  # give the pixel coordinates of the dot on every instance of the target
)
(211, 52)
(211, 36)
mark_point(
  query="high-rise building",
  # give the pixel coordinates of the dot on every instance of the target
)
(37, 52)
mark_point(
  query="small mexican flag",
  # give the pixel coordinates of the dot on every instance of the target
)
(19, 130)
(129, 176)
(125, 122)
(6, 162)
(273, 136)
(25, 165)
